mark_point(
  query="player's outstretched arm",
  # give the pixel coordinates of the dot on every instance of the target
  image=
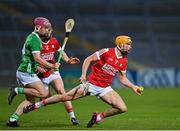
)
(125, 81)
(70, 60)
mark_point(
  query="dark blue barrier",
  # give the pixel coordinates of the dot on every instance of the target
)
(168, 77)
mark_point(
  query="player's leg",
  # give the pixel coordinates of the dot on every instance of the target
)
(34, 89)
(75, 93)
(59, 87)
(33, 86)
(57, 83)
(118, 106)
(13, 120)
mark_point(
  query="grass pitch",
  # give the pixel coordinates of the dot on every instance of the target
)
(157, 108)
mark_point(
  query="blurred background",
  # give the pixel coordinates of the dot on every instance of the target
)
(154, 26)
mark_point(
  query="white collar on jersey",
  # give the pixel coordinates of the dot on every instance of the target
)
(45, 42)
(118, 53)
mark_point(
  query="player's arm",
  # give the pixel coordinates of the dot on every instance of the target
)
(94, 57)
(65, 57)
(86, 64)
(35, 47)
(42, 62)
(125, 81)
(71, 60)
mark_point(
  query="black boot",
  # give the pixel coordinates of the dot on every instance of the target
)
(12, 123)
(75, 121)
(11, 96)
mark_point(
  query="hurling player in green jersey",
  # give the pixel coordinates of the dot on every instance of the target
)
(26, 73)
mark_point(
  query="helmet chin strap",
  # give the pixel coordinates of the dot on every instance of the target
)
(124, 53)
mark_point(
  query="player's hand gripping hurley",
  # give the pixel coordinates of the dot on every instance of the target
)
(68, 26)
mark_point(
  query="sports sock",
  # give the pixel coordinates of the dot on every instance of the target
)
(100, 116)
(19, 90)
(14, 117)
(40, 104)
(71, 113)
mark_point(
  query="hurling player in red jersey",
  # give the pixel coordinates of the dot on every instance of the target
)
(108, 63)
(49, 47)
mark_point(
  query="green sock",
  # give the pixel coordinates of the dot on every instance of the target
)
(19, 90)
(14, 117)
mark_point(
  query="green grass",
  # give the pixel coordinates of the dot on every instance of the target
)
(157, 108)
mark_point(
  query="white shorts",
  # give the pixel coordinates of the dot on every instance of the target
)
(46, 81)
(96, 90)
(26, 78)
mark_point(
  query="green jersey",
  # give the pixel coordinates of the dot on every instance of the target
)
(32, 44)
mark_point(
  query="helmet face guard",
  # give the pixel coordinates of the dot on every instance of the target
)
(123, 43)
(124, 50)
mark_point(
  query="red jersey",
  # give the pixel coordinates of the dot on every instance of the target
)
(108, 65)
(48, 51)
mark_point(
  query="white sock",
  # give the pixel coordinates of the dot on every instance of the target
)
(12, 119)
(71, 114)
(38, 104)
(99, 117)
(16, 90)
